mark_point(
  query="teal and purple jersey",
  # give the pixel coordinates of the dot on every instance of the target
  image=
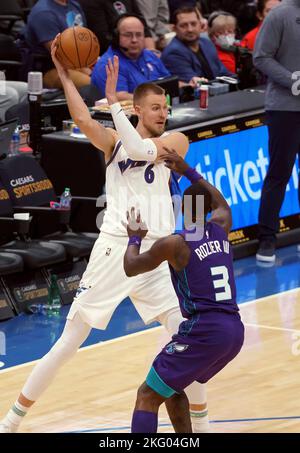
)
(207, 282)
(213, 333)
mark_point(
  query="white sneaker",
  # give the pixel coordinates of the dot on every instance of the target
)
(4, 428)
(298, 248)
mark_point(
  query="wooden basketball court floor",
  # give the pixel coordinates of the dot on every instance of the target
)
(257, 392)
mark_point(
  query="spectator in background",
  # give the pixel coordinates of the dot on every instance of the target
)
(46, 19)
(276, 55)
(137, 64)
(157, 16)
(101, 16)
(190, 56)
(263, 9)
(222, 32)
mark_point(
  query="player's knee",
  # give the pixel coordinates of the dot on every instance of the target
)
(147, 399)
(144, 392)
(178, 406)
(63, 350)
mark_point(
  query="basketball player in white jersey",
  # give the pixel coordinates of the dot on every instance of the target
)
(134, 176)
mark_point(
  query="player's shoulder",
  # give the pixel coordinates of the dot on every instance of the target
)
(215, 227)
(174, 138)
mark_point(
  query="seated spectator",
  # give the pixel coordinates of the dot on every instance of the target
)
(157, 16)
(101, 16)
(46, 19)
(263, 9)
(11, 93)
(222, 32)
(137, 64)
(190, 56)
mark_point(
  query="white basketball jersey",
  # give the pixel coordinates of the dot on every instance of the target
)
(142, 185)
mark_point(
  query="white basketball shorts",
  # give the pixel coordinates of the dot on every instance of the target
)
(104, 285)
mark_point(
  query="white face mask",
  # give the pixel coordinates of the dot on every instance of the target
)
(225, 40)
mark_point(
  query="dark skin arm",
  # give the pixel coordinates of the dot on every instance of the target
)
(170, 248)
(221, 212)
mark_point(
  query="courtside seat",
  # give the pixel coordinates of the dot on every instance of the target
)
(36, 254)
(75, 244)
(21, 177)
(10, 263)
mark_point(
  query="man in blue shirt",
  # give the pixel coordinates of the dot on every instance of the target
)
(46, 19)
(137, 64)
(189, 56)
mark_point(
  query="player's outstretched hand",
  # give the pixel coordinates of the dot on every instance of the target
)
(173, 161)
(135, 226)
(60, 69)
(112, 73)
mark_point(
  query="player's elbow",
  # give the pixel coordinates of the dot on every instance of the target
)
(129, 269)
(144, 150)
(129, 272)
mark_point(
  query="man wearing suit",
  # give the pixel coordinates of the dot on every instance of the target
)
(188, 55)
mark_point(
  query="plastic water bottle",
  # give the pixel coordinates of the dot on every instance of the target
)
(169, 104)
(66, 199)
(41, 309)
(54, 301)
(15, 143)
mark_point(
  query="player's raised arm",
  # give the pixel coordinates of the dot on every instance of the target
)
(221, 212)
(136, 147)
(165, 249)
(101, 137)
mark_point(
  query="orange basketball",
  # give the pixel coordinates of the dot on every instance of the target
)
(77, 47)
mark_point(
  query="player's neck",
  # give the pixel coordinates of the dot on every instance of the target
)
(144, 132)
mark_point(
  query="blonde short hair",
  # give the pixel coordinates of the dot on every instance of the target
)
(221, 22)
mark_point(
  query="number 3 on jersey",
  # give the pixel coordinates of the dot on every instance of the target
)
(222, 282)
(149, 174)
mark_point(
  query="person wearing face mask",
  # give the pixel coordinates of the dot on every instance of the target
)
(189, 55)
(222, 32)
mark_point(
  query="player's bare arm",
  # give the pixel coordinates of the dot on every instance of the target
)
(170, 248)
(221, 212)
(101, 137)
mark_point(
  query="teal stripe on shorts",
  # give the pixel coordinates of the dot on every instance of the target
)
(158, 385)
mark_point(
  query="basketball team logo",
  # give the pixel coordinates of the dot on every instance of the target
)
(176, 347)
(83, 36)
